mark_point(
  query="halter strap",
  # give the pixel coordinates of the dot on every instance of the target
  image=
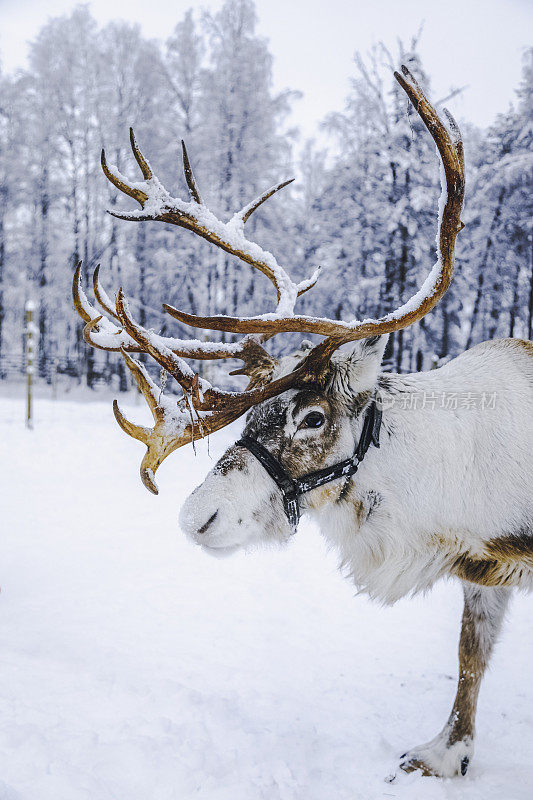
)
(292, 488)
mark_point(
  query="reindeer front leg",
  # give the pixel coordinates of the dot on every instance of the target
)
(449, 753)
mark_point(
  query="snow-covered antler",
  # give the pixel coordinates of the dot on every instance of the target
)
(104, 334)
(157, 204)
(175, 424)
(450, 148)
(203, 408)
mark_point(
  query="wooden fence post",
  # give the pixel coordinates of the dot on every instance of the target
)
(30, 333)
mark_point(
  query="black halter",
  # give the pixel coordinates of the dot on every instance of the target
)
(292, 488)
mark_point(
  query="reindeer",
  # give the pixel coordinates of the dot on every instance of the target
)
(407, 492)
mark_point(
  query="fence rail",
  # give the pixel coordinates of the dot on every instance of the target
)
(51, 369)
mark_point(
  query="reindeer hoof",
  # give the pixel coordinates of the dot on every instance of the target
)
(438, 758)
(412, 764)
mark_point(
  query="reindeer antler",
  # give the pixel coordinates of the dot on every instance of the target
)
(157, 204)
(203, 408)
(175, 424)
(450, 148)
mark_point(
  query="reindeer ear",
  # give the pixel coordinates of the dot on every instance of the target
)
(356, 370)
(374, 347)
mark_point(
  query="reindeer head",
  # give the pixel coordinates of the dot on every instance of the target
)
(305, 410)
(304, 429)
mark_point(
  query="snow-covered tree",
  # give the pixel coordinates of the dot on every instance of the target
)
(242, 149)
(364, 208)
(377, 216)
(499, 220)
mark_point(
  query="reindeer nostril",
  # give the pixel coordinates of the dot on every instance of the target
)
(208, 523)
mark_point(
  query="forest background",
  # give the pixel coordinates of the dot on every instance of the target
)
(364, 205)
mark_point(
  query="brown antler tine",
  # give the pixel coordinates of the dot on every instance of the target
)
(182, 316)
(229, 324)
(139, 158)
(163, 439)
(91, 317)
(159, 443)
(131, 191)
(247, 212)
(408, 74)
(149, 465)
(292, 324)
(429, 116)
(158, 447)
(162, 354)
(136, 431)
(90, 326)
(189, 176)
(81, 302)
(101, 294)
(150, 391)
(107, 348)
(453, 126)
(305, 285)
(129, 216)
(456, 137)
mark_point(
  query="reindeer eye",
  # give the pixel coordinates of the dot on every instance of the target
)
(315, 419)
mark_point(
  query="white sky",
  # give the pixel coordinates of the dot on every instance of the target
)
(474, 42)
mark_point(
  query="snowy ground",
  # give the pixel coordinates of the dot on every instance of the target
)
(134, 667)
